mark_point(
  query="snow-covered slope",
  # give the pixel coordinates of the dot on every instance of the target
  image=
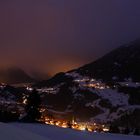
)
(9, 132)
(90, 99)
(45, 132)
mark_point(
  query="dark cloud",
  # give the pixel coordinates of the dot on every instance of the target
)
(57, 35)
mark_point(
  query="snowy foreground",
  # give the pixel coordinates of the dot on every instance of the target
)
(16, 131)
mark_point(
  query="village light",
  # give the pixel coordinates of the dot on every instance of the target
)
(64, 125)
(29, 89)
(82, 128)
(106, 129)
(46, 122)
(58, 123)
(25, 101)
(89, 129)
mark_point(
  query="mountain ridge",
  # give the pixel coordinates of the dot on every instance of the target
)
(93, 69)
(122, 62)
(105, 91)
(14, 75)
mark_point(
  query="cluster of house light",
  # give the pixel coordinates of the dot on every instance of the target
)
(91, 83)
(48, 90)
(63, 124)
(91, 127)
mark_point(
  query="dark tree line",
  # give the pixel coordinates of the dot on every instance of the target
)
(32, 107)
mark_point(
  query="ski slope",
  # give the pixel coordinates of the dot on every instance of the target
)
(19, 131)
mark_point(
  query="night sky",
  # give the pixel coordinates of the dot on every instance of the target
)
(57, 35)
